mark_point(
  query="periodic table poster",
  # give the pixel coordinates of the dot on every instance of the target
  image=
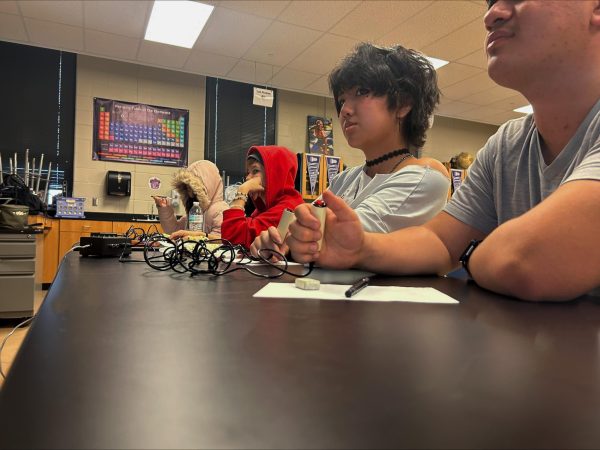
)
(141, 134)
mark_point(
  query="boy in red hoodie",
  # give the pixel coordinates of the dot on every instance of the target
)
(271, 172)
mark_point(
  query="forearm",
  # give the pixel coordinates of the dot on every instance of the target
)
(515, 262)
(169, 221)
(410, 251)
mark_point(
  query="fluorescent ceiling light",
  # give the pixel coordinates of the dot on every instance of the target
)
(436, 63)
(524, 109)
(177, 22)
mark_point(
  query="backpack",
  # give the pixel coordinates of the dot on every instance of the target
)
(13, 217)
(13, 187)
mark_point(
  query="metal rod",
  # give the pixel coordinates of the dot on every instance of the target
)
(37, 184)
(1, 170)
(26, 174)
(33, 174)
(48, 178)
(11, 165)
(15, 165)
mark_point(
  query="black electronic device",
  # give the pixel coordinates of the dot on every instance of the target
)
(104, 244)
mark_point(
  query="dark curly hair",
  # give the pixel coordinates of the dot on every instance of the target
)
(405, 76)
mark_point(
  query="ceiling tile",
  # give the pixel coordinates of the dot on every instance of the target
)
(231, 33)
(439, 19)
(449, 108)
(477, 83)
(12, 28)
(66, 12)
(459, 43)
(321, 86)
(372, 19)
(209, 64)
(163, 55)
(270, 9)
(281, 43)
(502, 117)
(490, 96)
(54, 35)
(510, 103)
(453, 73)
(293, 79)
(9, 7)
(111, 45)
(318, 16)
(481, 114)
(475, 59)
(252, 72)
(127, 18)
(324, 54)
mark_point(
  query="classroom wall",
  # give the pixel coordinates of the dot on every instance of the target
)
(97, 77)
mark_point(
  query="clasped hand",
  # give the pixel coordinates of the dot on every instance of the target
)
(344, 236)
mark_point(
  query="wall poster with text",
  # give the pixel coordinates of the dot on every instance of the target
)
(138, 133)
(320, 135)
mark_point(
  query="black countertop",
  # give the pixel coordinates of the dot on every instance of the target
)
(111, 216)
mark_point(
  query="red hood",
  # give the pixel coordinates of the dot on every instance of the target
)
(280, 165)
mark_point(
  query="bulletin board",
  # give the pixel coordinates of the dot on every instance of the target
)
(139, 133)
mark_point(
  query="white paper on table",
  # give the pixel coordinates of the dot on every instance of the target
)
(370, 293)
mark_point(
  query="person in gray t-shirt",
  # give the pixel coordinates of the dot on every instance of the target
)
(532, 197)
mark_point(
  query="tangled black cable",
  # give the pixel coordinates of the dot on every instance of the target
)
(195, 257)
(139, 236)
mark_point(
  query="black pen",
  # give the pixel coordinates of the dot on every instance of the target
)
(357, 287)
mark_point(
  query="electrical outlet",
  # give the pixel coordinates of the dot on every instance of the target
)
(95, 201)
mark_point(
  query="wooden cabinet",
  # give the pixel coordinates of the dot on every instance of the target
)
(72, 230)
(60, 235)
(50, 250)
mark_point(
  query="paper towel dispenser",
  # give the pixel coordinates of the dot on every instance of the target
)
(118, 183)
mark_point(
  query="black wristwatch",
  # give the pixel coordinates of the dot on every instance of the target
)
(464, 258)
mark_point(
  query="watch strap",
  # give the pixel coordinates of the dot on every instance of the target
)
(466, 255)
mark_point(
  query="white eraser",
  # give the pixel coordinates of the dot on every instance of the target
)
(308, 284)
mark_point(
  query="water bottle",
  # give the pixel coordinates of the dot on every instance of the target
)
(195, 218)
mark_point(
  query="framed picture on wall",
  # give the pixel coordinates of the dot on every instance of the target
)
(139, 133)
(320, 135)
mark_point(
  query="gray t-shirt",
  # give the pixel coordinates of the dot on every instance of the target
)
(388, 202)
(509, 175)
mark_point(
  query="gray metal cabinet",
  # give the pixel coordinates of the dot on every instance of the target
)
(17, 274)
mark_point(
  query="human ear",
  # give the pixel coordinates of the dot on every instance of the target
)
(403, 111)
(595, 17)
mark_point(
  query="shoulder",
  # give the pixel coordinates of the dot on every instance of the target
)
(433, 164)
(346, 176)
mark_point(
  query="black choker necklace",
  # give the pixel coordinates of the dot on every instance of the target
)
(392, 154)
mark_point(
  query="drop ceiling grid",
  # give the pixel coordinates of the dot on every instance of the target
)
(231, 33)
(432, 24)
(320, 16)
(281, 43)
(291, 44)
(373, 19)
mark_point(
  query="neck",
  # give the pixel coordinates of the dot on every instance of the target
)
(558, 115)
(385, 162)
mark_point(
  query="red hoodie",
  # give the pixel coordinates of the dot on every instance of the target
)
(280, 167)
